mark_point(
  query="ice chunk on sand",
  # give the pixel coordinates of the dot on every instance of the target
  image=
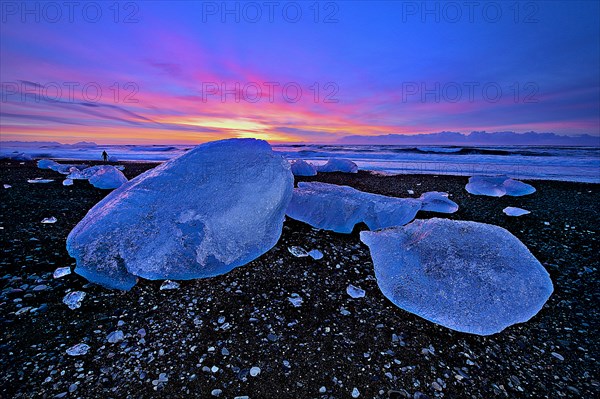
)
(115, 336)
(107, 177)
(497, 186)
(298, 252)
(213, 208)
(169, 285)
(46, 163)
(303, 168)
(67, 182)
(315, 254)
(7, 186)
(513, 211)
(78, 350)
(85, 173)
(467, 276)
(49, 220)
(39, 180)
(355, 292)
(296, 300)
(73, 299)
(61, 272)
(339, 208)
(435, 201)
(338, 165)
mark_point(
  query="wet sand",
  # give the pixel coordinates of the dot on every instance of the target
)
(206, 335)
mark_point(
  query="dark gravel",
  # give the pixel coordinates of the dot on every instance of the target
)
(244, 319)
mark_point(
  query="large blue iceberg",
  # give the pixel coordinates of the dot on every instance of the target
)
(498, 186)
(467, 276)
(340, 208)
(214, 208)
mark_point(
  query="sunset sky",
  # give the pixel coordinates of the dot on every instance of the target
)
(189, 72)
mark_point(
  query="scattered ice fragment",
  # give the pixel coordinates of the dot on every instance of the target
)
(558, 356)
(107, 177)
(411, 192)
(23, 310)
(513, 211)
(298, 252)
(73, 299)
(296, 300)
(7, 186)
(169, 285)
(435, 201)
(115, 336)
(46, 163)
(39, 180)
(254, 371)
(355, 393)
(322, 390)
(355, 292)
(315, 254)
(303, 168)
(49, 220)
(212, 209)
(61, 272)
(78, 350)
(339, 208)
(547, 223)
(216, 392)
(338, 165)
(67, 182)
(497, 186)
(40, 287)
(467, 276)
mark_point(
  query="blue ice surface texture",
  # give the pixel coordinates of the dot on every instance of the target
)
(338, 165)
(340, 208)
(435, 201)
(467, 276)
(498, 186)
(213, 208)
(107, 177)
(303, 168)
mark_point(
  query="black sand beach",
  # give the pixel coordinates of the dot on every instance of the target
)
(330, 341)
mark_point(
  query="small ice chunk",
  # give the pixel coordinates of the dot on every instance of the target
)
(296, 300)
(46, 163)
(355, 292)
(513, 211)
(497, 186)
(115, 336)
(7, 186)
(62, 271)
(435, 201)
(340, 208)
(411, 192)
(169, 285)
(73, 299)
(78, 350)
(303, 168)
(49, 220)
(338, 165)
(315, 254)
(298, 252)
(467, 276)
(67, 182)
(107, 177)
(355, 393)
(254, 371)
(39, 180)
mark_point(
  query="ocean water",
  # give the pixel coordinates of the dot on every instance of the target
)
(581, 164)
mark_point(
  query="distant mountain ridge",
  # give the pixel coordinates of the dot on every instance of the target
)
(475, 138)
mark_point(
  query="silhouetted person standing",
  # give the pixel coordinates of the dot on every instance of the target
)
(105, 156)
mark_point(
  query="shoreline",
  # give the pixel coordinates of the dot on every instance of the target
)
(375, 348)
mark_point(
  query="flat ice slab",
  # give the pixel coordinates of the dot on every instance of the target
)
(498, 186)
(214, 208)
(514, 211)
(340, 208)
(467, 276)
